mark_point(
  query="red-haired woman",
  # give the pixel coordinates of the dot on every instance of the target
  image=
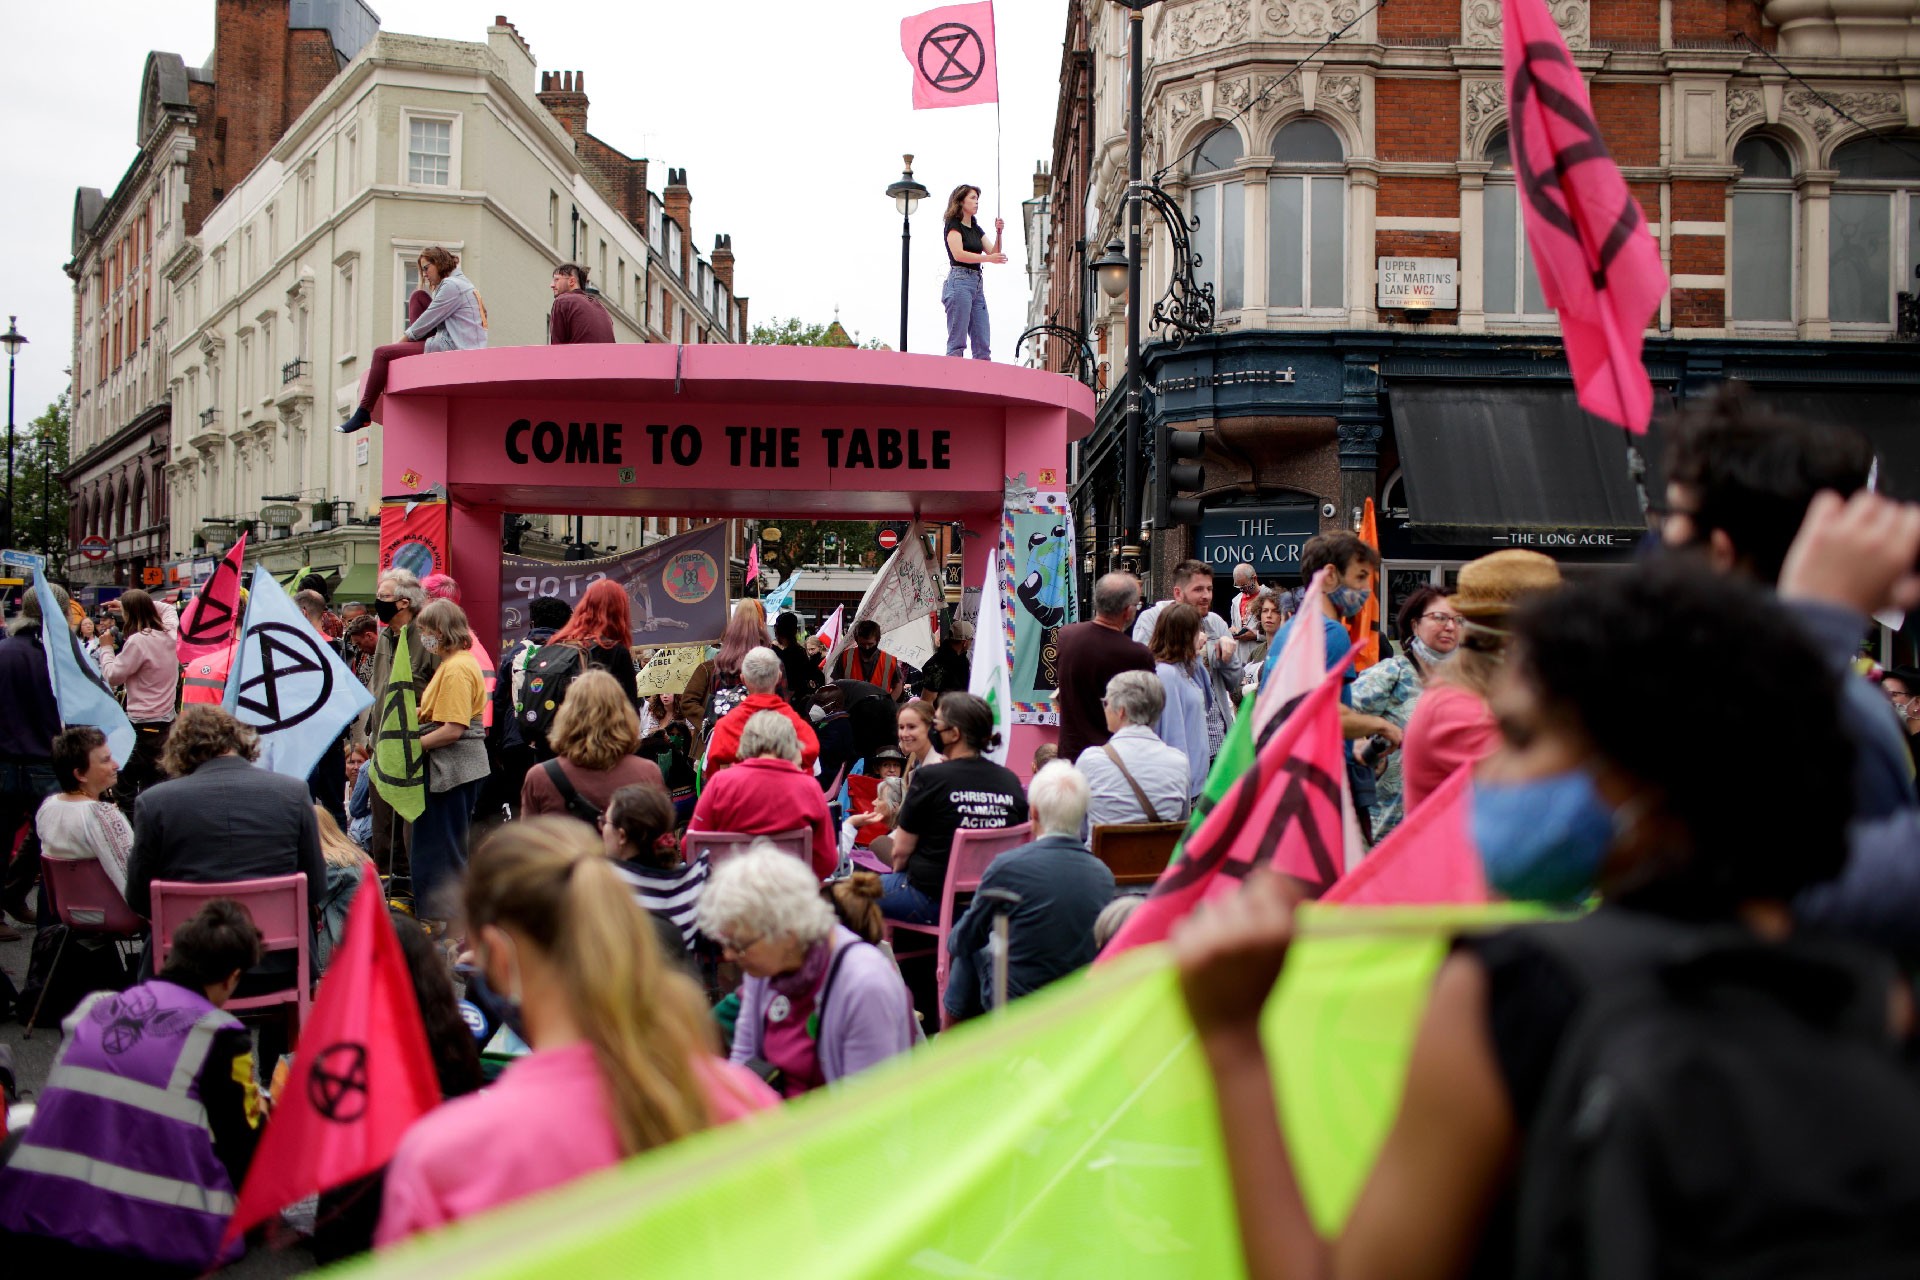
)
(715, 687)
(602, 626)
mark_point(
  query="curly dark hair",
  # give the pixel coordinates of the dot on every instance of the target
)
(202, 732)
(1616, 652)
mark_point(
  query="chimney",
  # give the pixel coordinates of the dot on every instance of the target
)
(678, 203)
(564, 95)
(513, 51)
(723, 261)
(1042, 181)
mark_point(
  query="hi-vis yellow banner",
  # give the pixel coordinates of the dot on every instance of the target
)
(1074, 1135)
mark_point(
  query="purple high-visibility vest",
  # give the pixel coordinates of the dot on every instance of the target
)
(119, 1156)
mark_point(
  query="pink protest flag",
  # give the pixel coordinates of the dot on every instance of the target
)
(1284, 812)
(1429, 858)
(830, 633)
(1302, 665)
(753, 565)
(951, 52)
(207, 625)
(1598, 265)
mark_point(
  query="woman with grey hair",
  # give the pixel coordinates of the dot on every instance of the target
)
(1135, 777)
(760, 673)
(765, 792)
(818, 1004)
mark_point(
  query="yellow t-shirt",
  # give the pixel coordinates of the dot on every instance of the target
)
(457, 693)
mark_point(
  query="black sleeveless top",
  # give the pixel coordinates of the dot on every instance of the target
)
(972, 238)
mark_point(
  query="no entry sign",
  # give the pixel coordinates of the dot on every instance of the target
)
(888, 539)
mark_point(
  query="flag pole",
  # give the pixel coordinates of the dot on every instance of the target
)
(999, 178)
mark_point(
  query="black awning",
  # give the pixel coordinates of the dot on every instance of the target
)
(1489, 459)
(1889, 417)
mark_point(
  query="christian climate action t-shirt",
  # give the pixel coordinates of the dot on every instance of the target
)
(972, 793)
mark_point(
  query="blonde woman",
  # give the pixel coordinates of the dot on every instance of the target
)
(346, 862)
(594, 734)
(624, 1054)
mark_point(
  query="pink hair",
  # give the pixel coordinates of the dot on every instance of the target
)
(441, 586)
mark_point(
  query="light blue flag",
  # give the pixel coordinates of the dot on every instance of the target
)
(78, 687)
(289, 683)
(780, 598)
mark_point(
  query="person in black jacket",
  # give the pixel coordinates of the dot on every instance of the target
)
(512, 754)
(27, 729)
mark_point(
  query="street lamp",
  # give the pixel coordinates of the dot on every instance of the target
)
(907, 195)
(1188, 306)
(14, 340)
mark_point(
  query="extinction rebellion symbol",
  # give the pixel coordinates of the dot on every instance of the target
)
(958, 55)
(338, 1086)
(293, 682)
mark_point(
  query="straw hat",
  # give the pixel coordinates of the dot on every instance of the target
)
(1492, 585)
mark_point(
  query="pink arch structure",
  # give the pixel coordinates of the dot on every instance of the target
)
(717, 431)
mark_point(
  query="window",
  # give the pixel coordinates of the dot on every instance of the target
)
(343, 309)
(654, 231)
(429, 152)
(273, 234)
(350, 159)
(1307, 219)
(409, 279)
(245, 375)
(1873, 234)
(620, 279)
(1220, 208)
(600, 268)
(1512, 287)
(1760, 241)
(303, 212)
(553, 218)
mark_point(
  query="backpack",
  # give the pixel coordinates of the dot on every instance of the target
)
(1719, 1107)
(570, 796)
(540, 686)
(721, 699)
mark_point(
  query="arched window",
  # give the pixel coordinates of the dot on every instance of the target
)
(1307, 219)
(1512, 287)
(1873, 233)
(1220, 207)
(1760, 246)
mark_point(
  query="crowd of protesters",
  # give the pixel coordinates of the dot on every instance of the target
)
(685, 907)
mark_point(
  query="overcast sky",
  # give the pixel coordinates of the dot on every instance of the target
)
(790, 121)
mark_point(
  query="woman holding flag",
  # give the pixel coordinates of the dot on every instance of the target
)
(964, 294)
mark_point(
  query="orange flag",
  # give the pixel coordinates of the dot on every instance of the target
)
(361, 1075)
(1429, 858)
(1364, 628)
(1284, 812)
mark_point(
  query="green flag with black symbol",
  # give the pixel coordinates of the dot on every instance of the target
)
(399, 765)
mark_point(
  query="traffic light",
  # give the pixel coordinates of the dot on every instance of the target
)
(1178, 470)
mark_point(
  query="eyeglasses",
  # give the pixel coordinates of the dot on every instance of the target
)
(737, 947)
(1442, 619)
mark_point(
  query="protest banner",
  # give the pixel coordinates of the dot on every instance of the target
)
(1097, 1154)
(670, 668)
(1036, 553)
(677, 587)
(413, 536)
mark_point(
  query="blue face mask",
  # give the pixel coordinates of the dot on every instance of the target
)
(1544, 840)
(1349, 601)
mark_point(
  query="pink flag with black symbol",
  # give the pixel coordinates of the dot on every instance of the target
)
(1598, 265)
(952, 54)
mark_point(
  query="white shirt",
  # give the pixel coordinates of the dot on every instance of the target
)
(1163, 772)
(75, 830)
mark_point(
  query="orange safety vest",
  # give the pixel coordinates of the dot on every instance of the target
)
(886, 668)
(204, 680)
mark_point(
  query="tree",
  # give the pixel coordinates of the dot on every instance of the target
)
(804, 542)
(40, 510)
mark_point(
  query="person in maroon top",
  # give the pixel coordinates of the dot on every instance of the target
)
(766, 792)
(577, 316)
(1092, 653)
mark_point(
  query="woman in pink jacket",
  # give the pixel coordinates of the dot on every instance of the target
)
(149, 667)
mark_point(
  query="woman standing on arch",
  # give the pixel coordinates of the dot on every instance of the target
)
(964, 295)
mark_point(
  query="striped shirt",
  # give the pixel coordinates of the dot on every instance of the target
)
(670, 893)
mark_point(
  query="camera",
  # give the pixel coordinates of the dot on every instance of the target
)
(1371, 751)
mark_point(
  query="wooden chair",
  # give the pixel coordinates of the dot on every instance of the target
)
(1136, 852)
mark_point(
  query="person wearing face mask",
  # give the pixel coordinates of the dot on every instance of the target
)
(1901, 685)
(1429, 632)
(1219, 651)
(1348, 569)
(625, 1058)
(453, 739)
(1539, 1127)
(1452, 724)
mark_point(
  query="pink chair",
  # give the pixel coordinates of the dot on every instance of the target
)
(718, 846)
(973, 852)
(86, 902)
(279, 909)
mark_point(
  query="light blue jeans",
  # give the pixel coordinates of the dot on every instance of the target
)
(965, 298)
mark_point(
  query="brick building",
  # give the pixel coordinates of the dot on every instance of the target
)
(200, 131)
(1380, 331)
